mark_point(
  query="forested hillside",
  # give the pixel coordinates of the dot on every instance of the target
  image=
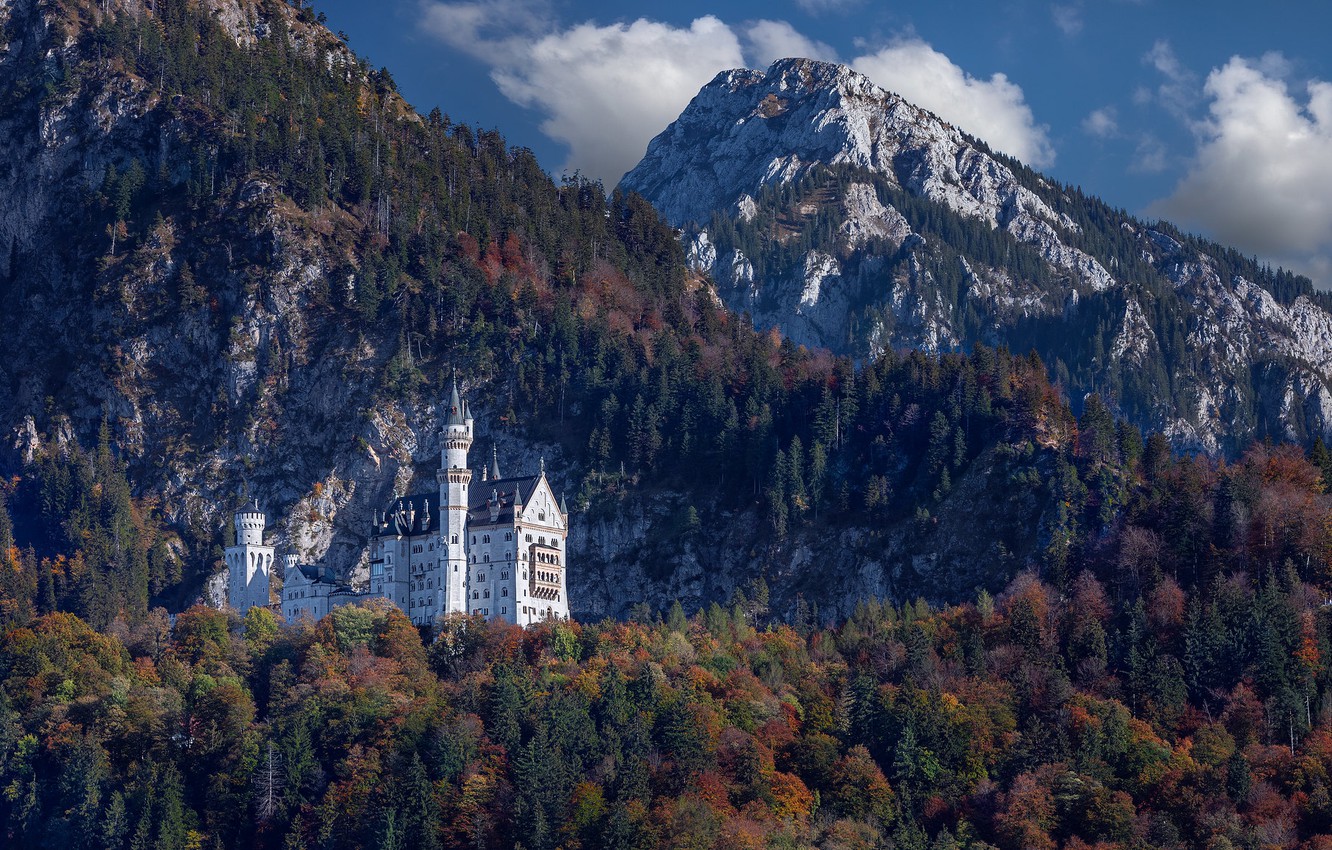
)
(1119, 713)
(245, 266)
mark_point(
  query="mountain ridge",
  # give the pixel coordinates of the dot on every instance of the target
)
(814, 155)
(260, 267)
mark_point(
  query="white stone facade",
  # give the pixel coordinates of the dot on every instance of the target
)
(495, 551)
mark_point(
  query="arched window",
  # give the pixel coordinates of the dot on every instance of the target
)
(504, 591)
(508, 535)
(455, 538)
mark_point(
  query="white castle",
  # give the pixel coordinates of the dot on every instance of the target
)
(497, 551)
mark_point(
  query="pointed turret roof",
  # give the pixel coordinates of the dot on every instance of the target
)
(455, 407)
(494, 462)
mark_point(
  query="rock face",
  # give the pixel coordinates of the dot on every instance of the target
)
(850, 219)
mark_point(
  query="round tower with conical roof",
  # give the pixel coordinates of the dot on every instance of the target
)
(454, 478)
(249, 561)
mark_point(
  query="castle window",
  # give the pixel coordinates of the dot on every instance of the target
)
(480, 576)
(529, 538)
(485, 538)
(473, 538)
(476, 594)
(524, 575)
(487, 594)
(504, 574)
(487, 557)
(430, 582)
(508, 535)
(455, 568)
(455, 538)
(504, 609)
(541, 516)
(504, 591)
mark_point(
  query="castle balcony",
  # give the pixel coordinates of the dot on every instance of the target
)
(545, 572)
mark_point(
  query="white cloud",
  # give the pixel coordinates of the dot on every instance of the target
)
(768, 41)
(607, 90)
(1068, 18)
(1262, 176)
(1102, 123)
(994, 110)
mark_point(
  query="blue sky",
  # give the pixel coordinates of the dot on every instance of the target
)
(1217, 116)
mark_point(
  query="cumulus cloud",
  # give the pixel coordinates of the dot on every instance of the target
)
(768, 41)
(1262, 175)
(994, 110)
(1101, 123)
(609, 89)
(605, 91)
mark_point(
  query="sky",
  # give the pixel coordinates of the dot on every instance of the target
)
(1216, 116)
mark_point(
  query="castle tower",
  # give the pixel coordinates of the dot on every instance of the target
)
(249, 561)
(454, 477)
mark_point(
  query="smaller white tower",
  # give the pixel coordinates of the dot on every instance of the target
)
(249, 561)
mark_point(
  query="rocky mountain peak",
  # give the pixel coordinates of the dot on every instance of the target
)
(836, 211)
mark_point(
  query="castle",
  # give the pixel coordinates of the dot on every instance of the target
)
(497, 550)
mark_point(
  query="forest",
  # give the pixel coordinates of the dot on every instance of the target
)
(1147, 707)
(1149, 668)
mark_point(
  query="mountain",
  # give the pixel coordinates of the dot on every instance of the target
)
(237, 265)
(838, 212)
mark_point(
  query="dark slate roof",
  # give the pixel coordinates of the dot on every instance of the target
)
(396, 516)
(455, 410)
(317, 573)
(482, 491)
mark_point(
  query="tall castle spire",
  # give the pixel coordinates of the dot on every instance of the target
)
(455, 478)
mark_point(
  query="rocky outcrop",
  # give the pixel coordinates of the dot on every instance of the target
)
(939, 243)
